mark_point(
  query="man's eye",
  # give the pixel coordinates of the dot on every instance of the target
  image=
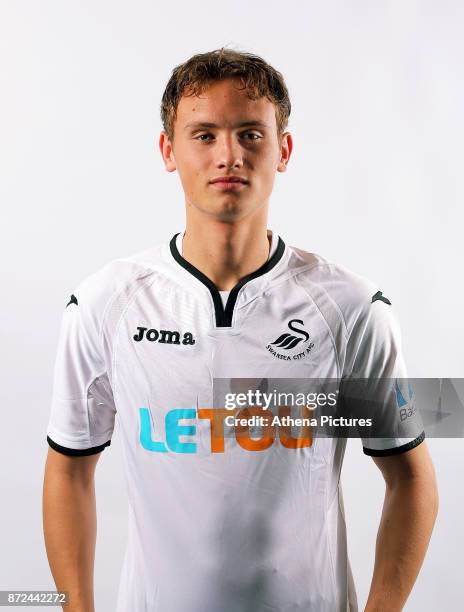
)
(255, 136)
(200, 137)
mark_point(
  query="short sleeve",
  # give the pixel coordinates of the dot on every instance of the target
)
(83, 411)
(374, 356)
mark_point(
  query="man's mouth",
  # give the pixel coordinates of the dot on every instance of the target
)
(229, 182)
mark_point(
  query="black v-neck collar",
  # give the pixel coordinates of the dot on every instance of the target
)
(224, 315)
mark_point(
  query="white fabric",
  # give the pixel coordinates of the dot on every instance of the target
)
(236, 529)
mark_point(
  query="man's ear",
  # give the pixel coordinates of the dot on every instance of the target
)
(167, 152)
(286, 146)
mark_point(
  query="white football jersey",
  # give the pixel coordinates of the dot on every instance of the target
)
(214, 525)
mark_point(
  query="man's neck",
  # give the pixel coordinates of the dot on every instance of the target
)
(224, 252)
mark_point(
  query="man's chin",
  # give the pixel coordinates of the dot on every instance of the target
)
(226, 210)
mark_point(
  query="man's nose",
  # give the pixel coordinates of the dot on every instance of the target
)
(229, 152)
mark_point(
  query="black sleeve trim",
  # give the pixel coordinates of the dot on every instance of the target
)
(74, 452)
(395, 451)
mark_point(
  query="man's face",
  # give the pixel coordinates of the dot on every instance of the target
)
(224, 133)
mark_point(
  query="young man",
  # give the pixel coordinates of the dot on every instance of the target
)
(221, 523)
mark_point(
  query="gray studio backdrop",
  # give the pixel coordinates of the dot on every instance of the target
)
(373, 184)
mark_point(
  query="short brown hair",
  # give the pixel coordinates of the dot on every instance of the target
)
(193, 76)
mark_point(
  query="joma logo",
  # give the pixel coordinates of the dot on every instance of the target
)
(164, 336)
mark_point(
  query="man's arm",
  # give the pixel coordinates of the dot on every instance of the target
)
(409, 512)
(70, 525)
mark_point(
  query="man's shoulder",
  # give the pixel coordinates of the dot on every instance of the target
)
(351, 293)
(119, 278)
(333, 277)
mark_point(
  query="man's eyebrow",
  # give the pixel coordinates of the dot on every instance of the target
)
(207, 124)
